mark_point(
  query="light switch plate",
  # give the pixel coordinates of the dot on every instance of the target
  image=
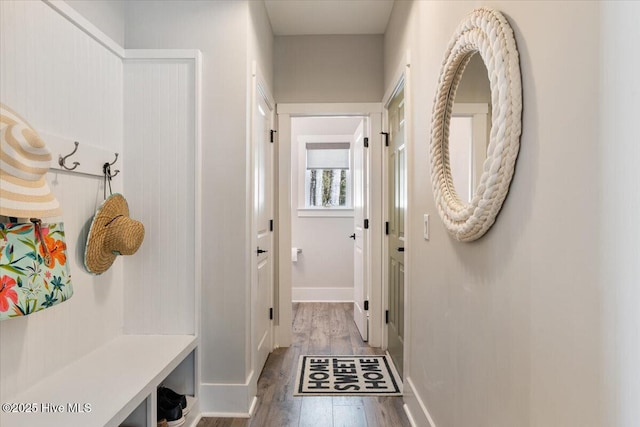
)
(426, 226)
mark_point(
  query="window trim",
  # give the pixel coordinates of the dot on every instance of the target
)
(303, 209)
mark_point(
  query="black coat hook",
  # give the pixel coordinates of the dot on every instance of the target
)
(114, 160)
(62, 160)
(106, 168)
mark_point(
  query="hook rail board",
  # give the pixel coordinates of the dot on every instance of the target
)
(90, 158)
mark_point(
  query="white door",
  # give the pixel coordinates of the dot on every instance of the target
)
(397, 188)
(360, 212)
(263, 216)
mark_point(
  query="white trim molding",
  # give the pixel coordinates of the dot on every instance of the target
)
(414, 406)
(328, 109)
(194, 54)
(226, 400)
(86, 26)
(487, 32)
(317, 294)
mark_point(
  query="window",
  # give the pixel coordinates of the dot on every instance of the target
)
(327, 175)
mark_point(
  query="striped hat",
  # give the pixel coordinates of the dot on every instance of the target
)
(24, 161)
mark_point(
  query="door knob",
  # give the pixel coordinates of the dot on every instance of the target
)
(261, 251)
(353, 236)
(401, 249)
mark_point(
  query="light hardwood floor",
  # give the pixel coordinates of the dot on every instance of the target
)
(318, 328)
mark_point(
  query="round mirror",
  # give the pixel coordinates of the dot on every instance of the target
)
(476, 124)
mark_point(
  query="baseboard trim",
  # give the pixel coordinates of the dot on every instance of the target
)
(254, 403)
(415, 408)
(407, 412)
(195, 422)
(224, 415)
(300, 294)
(226, 400)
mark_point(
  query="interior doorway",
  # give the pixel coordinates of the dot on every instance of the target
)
(396, 208)
(330, 183)
(262, 239)
(397, 248)
(323, 187)
(327, 211)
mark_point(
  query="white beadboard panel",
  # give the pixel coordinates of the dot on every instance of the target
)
(64, 83)
(159, 159)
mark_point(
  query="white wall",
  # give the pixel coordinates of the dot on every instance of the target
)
(324, 270)
(532, 325)
(328, 68)
(64, 83)
(229, 34)
(261, 40)
(619, 193)
(107, 15)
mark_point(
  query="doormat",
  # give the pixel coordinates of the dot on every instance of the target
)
(347, 376)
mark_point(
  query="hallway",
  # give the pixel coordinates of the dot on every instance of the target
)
(318, 328)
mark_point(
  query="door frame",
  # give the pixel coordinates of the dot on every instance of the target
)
(400, 77)
(259, 88)
(284, 112)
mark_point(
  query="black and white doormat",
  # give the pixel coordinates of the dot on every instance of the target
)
(347, 376)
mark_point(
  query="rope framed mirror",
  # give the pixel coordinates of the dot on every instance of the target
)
(485, 32)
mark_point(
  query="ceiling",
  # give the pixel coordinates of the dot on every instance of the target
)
(314, 17)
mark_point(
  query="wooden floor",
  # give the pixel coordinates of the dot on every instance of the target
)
(318, 328)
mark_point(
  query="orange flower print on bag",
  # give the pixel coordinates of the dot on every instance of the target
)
(30, 278)
(7, 293)
(57, 250)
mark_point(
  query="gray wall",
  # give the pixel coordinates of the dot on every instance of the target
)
(328, 68)
(475, 85)
(230, 35)
(534, 324)
(210, 27)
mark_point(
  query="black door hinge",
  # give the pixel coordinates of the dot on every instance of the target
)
(366, 224)
(271, 137)
(366, 305)
(270, 225)
(271, 313)
(386, 228)
(386, 316)
(386, 138)
(366, 142)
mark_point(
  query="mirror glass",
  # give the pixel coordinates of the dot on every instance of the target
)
(469, 128)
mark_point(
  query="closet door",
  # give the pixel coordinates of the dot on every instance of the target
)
(262, 284)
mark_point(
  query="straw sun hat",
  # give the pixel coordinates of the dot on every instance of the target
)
(24, 162)
(112, 233)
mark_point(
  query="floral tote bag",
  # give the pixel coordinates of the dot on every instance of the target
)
(34, 272)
